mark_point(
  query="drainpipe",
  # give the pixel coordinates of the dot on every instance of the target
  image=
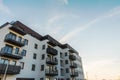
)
(4, 77)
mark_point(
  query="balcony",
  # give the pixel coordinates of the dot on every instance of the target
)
(17, 30)
(74, 74)
(12, 69)
(52, 61)
(73, 65)
(9, 39)
(51, 72)
(12, 54)
(72, 57)
(52, 51)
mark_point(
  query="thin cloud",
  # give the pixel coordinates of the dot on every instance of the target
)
(4, 8)
(52, 26)
(53, 19)
(114, 12)
(70, 35)
(65, 1)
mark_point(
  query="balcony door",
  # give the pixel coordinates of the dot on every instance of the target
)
(12, 36)
(8, 49)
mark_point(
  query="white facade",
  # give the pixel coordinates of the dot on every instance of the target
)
(39, 58)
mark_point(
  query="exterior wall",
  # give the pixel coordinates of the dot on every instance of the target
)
(67, 74)
(28, 60)
(79, 68)
(3, 32)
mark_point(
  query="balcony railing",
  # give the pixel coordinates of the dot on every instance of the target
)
(12, 54)
(52, 61)
(52, 51)
(49, 72)
(17, 30)
(10, 40)
(73, 65)
(72, 57)
(12, 69)
(74, 74)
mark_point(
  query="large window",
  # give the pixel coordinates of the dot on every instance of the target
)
(4, 61)
(8, 49)
(19, 39)
(12, 36)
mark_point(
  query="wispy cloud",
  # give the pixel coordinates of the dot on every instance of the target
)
(64, 1)
(53, 19)
(52, 25)
(4, 8)
(111, 13)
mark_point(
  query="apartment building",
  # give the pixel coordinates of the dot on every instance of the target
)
(27, 55)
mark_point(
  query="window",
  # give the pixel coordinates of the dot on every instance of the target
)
(16, 50)
(35, 46)
(23, 53)
(43, 56)
(7, 61)
(67, 70)
(43, 47)
(61, 55)
(12, 36)
(33, 67)
(4, 61)
(66, 54)
(68, 79)
(25, 41)
(42, 67)
(19, 39)
(62, 72)
(66, 61)
(13, 63)
(8, 49)
(34, 56)
(41, 79)
(61, 63)
(22, 65)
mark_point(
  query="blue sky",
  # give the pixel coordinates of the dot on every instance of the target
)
(92, 27)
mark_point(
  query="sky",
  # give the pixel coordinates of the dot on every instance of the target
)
(92, 27)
